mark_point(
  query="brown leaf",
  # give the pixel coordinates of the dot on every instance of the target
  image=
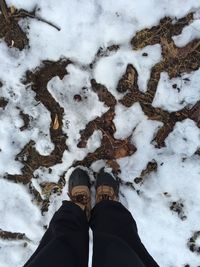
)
(123, 150)
(48, 188)
(151, 167)
(128, 80)
(12, 9)
(56, 123)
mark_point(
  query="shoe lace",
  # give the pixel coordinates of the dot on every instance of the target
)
(106, 197)
(105, 193)
(80, 198)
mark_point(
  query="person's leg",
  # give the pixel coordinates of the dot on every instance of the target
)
(116, 238)
(65, 243)
(112, 224)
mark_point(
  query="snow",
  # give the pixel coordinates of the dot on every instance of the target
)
(108, 70)
(181, 183)
(185, 138)
(126, 119)
(178, 176)
(76, 115)
(17, 212)
(189, 33)
(42, 174)
(12, 138)
(13, 253)
(177, 93)
(85, 27)
(142, 137)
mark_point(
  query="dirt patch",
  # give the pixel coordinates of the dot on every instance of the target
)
(166, 29)
(3, 102)
(176, 61)
(194, 113)
(12, 236)
(151, 167)
(192, 243)
(103, 52)
(26, 120)
(29, 156)
(128, 82)
(145, 99)
(111, 148)
(10, 30)
(178, 207)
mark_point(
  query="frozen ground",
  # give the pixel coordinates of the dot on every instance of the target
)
(44, 125)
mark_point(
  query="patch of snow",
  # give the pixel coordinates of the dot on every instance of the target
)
(126, 119)
(175, 94)
(184, 139)
(142, 137)
(109, 70)
(53, 174)
(12, 138)
(77, 113)
(176, 179)
(15, 253)
(189, 33)
(27, 219)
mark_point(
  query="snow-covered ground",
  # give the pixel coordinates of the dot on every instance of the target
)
(85, 27)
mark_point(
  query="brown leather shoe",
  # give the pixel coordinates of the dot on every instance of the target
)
(107, 187)
(79, 190)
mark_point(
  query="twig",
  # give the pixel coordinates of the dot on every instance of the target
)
(105, 134)
(46, 21)
(23, 13)
(4, 10)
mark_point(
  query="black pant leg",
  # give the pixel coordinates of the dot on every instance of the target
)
(65, 243)
(116, 237)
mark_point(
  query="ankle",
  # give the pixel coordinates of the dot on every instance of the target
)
(80, 195)
(105, 192)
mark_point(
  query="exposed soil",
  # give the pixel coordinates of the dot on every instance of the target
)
(11, 32)
(12, 236)
(3, 102)
(178, 207)
(166, 29)
(29, 156)
(111, 148)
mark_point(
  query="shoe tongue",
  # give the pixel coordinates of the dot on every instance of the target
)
(81, 198)
(106, 197)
